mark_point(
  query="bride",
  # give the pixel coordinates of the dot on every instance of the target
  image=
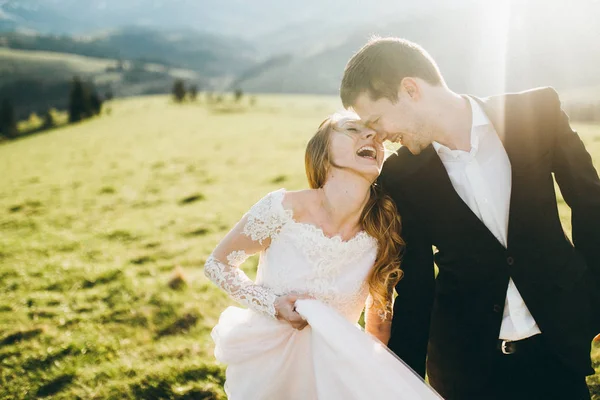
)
(326, 254)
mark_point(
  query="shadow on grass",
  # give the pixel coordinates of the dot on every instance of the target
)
(279, 179)
(37, 363)
(180, 325)
(107, 277)
(55, 385)
(203, 373)
(121, 236)
(192, 199)
(21, 335)
(196, 232)
(155, 386)
(160, 388)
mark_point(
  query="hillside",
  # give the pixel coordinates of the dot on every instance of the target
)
(37, 80)
(106, 225)
(213, 55)
(482, 48)
(96, 217)
(35, 69)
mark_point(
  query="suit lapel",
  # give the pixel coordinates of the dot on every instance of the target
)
(437, 177)
(498, 112)
(434, 172)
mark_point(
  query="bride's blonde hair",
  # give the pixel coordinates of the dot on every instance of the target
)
(379, 218)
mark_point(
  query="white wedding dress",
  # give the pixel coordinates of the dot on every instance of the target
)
(330, 359)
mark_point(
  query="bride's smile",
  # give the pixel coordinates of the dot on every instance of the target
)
(355, 147)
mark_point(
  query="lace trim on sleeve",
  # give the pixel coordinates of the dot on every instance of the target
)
(237, 258)
(266, 217)
(241, 288)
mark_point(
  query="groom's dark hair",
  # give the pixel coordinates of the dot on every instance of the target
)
(379, 67)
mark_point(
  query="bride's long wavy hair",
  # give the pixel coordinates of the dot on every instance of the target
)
(379, 218)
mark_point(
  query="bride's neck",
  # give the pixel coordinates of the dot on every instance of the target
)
(344, 197)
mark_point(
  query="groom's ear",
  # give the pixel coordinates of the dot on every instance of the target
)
(409, 87)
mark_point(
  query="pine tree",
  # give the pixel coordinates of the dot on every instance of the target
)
(193, 92)
(109, 95)
(95, 103)
(238, 95)
(48, 120)
(79, 101)
(8, 120)
(179, 90)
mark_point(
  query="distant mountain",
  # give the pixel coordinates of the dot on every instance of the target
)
(302, 47)
(247, 19)
(36, 80)
(36, 69)
(483, 49)
(213, 55)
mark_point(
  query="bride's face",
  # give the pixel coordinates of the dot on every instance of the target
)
(355, 147)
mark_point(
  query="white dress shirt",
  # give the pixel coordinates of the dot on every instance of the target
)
(482, 178)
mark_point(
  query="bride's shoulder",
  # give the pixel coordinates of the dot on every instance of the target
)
(295, 202)
(299, 201)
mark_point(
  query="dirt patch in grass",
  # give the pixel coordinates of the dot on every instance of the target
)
(192, 199)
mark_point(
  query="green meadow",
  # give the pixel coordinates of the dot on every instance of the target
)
(104, 229)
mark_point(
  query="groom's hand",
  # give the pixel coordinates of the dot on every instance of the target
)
(286, 310)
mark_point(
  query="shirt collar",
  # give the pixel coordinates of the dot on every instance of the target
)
(479, 118)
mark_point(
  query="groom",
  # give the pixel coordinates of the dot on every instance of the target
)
(515, 305)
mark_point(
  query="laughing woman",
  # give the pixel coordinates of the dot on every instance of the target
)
(326, 253)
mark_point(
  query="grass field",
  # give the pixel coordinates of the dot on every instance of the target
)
(105, 226)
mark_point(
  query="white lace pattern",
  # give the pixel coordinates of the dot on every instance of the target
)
(263, 219)
(237, 258)
(241, 288)
(294, 257)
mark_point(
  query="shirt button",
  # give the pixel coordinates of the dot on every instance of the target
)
(497, 308)
(510, 261)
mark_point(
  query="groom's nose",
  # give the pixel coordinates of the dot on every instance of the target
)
(369, 134)
(380, 137)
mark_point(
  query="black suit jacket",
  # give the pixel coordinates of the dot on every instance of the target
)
(455, 319)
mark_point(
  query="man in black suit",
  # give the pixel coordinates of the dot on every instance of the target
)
(515, 305)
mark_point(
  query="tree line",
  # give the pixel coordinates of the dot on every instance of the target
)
(182, 93)
(84, 102)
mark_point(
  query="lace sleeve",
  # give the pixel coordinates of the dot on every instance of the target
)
(241, 288)
(252, 234)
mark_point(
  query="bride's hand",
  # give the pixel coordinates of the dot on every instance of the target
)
(285, 307)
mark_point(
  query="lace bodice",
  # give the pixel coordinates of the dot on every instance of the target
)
(294, 257)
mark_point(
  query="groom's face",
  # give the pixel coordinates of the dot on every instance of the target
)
(401, 121)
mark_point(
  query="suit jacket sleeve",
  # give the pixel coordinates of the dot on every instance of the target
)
(579, 185)
(412, 307)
